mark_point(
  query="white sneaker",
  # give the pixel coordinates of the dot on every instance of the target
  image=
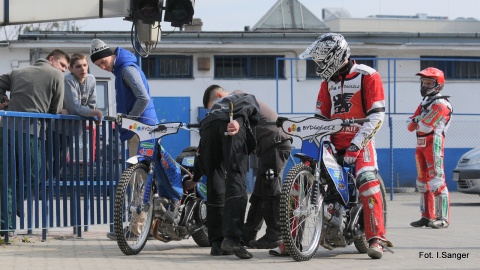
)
(438, 224)
(278, 251)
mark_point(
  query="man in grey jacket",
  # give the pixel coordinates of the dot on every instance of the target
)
(39, 89)
(80, 92)
(80, 99)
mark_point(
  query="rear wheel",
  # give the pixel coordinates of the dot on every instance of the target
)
(384, 196)
(132, 219)
(300, 220)
(201, 235)
(361, 243)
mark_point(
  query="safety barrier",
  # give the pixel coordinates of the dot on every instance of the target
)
(57, 171)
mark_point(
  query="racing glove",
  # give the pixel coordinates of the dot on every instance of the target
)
(351, 154)
(413, 122)
(417, 119)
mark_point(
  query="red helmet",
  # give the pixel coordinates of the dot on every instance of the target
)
(434, 74)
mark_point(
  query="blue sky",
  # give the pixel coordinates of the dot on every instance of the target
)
(233, 15)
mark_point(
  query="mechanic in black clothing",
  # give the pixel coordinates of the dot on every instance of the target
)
(272, 152)
(225, 143)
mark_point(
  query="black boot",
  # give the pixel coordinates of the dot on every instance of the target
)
(423, 222)
(248, 236)
(218, 251)
(265, 242)
(271, 214)
(237, 249)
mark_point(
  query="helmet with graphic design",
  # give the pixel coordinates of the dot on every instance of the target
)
(432, 81)
(330, 52)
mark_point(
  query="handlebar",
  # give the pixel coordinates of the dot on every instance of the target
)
(196, 125)
(159, 127)
(119, 116)
(346, 122)
(110, 118)
(190, 127)
(280, 121)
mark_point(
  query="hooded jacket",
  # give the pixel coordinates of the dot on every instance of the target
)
(124, 94)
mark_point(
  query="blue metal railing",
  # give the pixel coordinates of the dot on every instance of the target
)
(45, 186)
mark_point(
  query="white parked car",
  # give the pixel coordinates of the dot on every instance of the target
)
(467, 172)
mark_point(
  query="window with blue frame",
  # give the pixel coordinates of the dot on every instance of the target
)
(168, 66)
(360, 59)
(454, 67)
(248, 66)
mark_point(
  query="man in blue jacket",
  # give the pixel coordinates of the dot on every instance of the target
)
(131, 88)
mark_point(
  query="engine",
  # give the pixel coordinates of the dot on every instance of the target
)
(335, 220)
(170, 220)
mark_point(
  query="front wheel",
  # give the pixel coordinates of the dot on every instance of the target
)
(131, 218)
(300, 220)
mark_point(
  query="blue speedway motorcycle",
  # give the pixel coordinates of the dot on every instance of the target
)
(149, 200)
(319, 201)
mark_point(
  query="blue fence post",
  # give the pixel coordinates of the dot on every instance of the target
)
(390, 124)
(13, 174)
(4, 215)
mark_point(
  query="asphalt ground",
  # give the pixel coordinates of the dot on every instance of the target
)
(457, 247)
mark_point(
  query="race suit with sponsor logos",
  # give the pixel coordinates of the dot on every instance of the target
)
(359, 94)
(431, 121)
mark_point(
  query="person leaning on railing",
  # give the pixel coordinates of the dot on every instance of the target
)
(80, 99)
(35, 89)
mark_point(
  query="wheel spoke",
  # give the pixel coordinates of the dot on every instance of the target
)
(300, 221)
(132, 219)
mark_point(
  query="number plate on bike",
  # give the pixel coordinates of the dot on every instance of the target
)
(312, 126)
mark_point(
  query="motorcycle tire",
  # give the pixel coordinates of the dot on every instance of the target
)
(131, 219)
(300, 226)
(361, 243)
(384, 196)
(201, 236)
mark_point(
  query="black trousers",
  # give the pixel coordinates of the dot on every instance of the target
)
(265, 199)
(224, 161)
